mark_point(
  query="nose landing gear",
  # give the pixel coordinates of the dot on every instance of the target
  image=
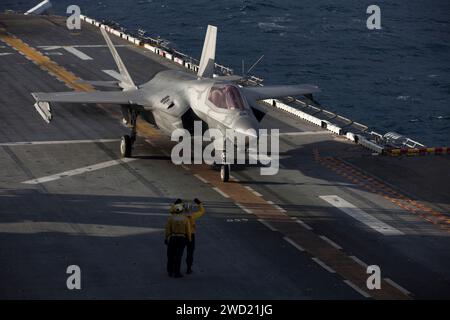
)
(225, 172)
(224, 168)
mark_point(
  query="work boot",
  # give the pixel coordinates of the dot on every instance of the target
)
(189, 270)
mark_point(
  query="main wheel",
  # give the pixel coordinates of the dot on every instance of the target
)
(225, 172)
(125, 146)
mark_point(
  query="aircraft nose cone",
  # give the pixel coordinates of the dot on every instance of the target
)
(246, 126)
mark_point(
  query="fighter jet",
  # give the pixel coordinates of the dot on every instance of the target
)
(174, 99)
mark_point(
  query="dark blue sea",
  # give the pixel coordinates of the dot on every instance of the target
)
(393, 79)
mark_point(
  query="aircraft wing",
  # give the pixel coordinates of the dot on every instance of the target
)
(268, 92)
(43, 99)
(116, 97)
(258, 111)
(228, 78)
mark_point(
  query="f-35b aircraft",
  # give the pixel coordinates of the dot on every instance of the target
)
(175, 99)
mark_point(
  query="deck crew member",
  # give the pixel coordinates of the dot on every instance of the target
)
(193, 216)
(178, 233)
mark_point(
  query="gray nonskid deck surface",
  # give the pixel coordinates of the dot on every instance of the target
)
(110, 221)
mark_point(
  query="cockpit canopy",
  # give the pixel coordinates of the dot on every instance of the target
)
(226, 97)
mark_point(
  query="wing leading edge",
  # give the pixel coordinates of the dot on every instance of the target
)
(115, 97)
(43, 99)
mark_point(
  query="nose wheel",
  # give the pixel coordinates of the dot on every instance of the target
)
(224, 168)
(225, 172)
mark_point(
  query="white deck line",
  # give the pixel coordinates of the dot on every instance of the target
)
(293, 243)
(78, 171)
(331, 242)
(397, 286)
(267, 224)
(31, 143)
(357, 289)
(223, 194)
(361, 216)
(244, 208)
(114, 74)
(323, 265)
(77, 53)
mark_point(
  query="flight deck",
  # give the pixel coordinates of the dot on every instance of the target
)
(308, 232)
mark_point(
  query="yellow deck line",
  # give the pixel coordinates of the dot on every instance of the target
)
(45, 62)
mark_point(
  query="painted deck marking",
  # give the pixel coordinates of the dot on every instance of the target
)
(334, 244)
(244, 208)
(77, 53)
(359, 261)
(267, 224)
(357, 289)
(78, 171)
(323, 265)
(293, 243)
(396, 285)
(114, 74)
(305, 225)
(31, 143)
(361, 216)
(223, 194)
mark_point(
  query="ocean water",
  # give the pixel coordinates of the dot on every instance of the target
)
(393, 79)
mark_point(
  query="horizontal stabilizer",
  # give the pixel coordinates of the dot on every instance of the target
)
(273, 92)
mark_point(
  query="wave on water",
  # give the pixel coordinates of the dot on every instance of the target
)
(255, 5)
(271, 27)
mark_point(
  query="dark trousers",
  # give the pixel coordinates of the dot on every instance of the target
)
(190, 251)
(175, 250)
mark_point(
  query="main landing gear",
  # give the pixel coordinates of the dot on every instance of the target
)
(127, 141)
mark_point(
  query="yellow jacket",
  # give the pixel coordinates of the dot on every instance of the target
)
(194, 216)
(178, 225)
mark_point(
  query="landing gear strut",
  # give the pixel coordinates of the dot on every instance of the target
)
(224, 168)
(127, 141)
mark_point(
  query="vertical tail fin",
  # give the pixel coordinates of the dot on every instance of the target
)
(207, 61)
(126, 81)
